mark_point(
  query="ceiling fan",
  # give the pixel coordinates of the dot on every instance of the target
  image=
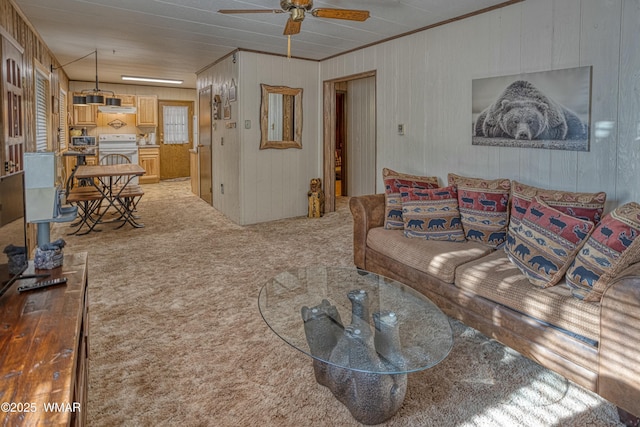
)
(297, 9)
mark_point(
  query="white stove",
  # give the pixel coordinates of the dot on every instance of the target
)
(119, 143)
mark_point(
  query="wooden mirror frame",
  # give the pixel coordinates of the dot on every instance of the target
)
(264, 117)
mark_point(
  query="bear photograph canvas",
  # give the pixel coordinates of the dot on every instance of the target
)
(549, 109)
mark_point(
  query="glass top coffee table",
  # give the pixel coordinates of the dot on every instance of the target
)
(365, 333)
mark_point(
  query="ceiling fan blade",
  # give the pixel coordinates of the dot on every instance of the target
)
(230, 11)
(349, 14)
(292, 27)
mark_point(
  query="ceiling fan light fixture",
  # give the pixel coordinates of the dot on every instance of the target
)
(297, 14)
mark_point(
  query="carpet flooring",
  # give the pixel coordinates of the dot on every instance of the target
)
(176, 337)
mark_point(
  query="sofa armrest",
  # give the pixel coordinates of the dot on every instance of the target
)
(619, 365)
(368, 212)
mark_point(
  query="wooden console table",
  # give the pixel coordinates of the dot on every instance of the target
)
(44, 349)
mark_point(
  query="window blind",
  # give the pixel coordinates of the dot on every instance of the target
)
(62, 120)
(42, 94)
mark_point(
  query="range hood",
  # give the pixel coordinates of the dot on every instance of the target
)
(110, 109)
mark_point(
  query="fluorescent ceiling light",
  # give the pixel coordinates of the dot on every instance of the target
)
(152, 80)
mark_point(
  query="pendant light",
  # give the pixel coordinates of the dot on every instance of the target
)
(94, 96)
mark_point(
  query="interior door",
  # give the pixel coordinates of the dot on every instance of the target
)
(204, 144)
(361, 136)
(175, 138)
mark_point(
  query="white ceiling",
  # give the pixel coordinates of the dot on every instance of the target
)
(176, 38)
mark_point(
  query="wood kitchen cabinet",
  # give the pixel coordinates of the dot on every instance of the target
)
(85, 115)
(149, 159)
(127, 100)
(44, 343)
(147, 114)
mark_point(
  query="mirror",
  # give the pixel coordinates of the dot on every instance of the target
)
(281, 117)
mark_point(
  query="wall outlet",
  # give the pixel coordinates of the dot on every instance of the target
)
(401, 129)
(221, 188)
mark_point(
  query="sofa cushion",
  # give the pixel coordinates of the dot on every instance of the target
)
(611, 248)
(433, 257)
(394, 184)
(483, 208)
(588, 206)
(497, 279)
(432, 214)
(545, 242)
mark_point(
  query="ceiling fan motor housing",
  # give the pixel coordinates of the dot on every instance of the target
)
(300, 5)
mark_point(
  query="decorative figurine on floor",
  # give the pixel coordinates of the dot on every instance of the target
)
(316, 198)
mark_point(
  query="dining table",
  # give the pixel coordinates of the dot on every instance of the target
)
(111, 189)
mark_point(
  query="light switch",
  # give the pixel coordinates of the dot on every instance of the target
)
(247, 124)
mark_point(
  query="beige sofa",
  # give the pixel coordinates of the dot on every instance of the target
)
(593, 344)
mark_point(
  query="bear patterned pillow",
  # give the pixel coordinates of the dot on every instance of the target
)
(432, 214)
(587, 206)
(395, 185)
(483, 208)
(610, 249)
(545, 242)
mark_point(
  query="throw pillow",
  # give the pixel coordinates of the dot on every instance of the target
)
(483, 207)
(587, 206)
(432, 214)
(611, 248)
(395, 185)
(545, 242)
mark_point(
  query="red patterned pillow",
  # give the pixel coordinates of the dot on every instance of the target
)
(483, 208)
(611, 248)
(395, 185)
(432, 214)
(545, 242)
(587, 206)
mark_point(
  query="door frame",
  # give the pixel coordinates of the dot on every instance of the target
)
(205, 174)
(329, 136)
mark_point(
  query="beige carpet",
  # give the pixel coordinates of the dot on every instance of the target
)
(176, 337)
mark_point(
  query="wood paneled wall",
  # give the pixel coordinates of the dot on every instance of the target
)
(424, 82)
(262, 185)
(275, 181)
(225, 144)
(14, 25)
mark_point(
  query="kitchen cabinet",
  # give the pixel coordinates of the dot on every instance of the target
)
(149, 159)
(127, 100)
(85, 115)
(147, 114)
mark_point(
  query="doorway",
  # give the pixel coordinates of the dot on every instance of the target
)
(204, 144)
(176, 138)
(349, 129)
(341, 186)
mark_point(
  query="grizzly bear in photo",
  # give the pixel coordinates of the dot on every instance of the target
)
(523, 112)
